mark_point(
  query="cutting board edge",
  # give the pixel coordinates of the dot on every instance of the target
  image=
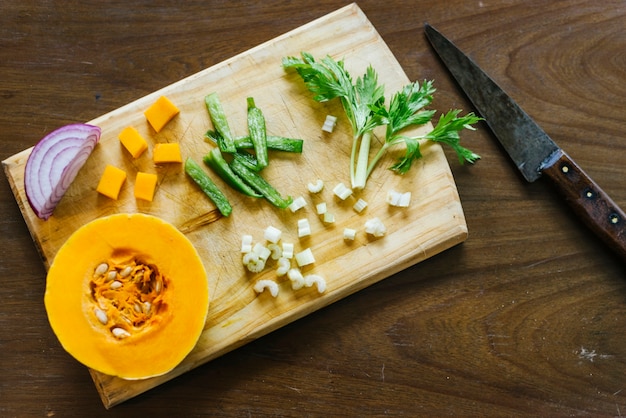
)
(22, 206)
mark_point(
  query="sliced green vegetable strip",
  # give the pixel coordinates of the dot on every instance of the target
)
(198, 175)
(247, 159)
(215, 160)
(220, 123)
(274, 143)
(260, 184)
(258, 134)
(216, 138)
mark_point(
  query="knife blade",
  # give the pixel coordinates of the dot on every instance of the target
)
(533, 152)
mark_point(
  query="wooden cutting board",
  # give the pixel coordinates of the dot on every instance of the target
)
(433, 222)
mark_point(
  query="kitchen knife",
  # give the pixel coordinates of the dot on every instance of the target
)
(530, 148)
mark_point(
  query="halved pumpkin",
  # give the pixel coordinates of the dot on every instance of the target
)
(127, 295)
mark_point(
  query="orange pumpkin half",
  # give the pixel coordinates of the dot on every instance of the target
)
(127, 295)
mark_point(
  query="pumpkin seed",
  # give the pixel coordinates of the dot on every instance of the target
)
(120, 332)
(112, 275)
(126, 271)
(146, 307)
(137, 308)
(101, 269)
(116, 285)
(101, 315)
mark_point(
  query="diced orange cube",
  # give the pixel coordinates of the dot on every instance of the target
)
(145, 183)
(167, 153)
(111, 181)
(161, 112)
(133, 141)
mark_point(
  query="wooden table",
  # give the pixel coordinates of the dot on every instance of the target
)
(527, 317)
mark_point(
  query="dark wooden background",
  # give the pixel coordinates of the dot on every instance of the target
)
(527, 317)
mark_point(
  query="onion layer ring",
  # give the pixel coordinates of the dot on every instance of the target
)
(54, 163)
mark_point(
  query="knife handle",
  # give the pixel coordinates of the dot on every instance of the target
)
(589, 202)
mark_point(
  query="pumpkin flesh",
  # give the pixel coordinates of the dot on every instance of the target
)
(141, 316)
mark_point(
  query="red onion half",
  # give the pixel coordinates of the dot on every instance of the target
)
(54, 163)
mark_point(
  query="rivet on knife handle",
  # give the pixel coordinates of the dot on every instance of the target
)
(592, 205)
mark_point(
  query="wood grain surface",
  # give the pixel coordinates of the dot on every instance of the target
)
(526, 317)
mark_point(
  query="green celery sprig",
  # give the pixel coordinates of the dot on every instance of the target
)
(364, 106)
(406, 109)
(447, 132)
(327, 80)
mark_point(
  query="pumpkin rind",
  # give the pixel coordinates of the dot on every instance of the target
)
(173, 332)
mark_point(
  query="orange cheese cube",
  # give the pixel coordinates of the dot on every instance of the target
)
(161, 112)
(133, 141)
(145, 183)
(167, 153)
(111, 182)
